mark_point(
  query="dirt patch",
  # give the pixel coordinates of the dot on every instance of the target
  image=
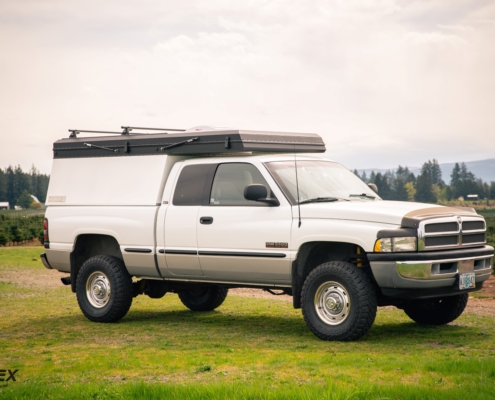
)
(31, 279)
(259, 294)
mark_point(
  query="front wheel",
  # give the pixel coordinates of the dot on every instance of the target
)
(438, 311)
(104, 289)
(203, 298)
(338, 301)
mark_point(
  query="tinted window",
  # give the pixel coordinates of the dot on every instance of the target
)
(231, 180)
(190, 186)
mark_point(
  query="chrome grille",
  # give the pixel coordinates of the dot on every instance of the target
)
(451, 232)
(477, 238)
(473, 226)
(436, 241)
(443, 227)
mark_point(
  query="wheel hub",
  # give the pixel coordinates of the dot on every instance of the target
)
(332, 303)
(98, 289)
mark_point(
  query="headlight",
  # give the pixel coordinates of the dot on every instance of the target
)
(388, 245)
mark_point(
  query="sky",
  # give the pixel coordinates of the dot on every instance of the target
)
(383, 82)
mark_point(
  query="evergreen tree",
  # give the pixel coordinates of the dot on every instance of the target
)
(401, 178)
(424, 188)
(364, 178)
(3, 186)
(455, 181)
(383, 185)
(492, 190)
(16, 182)
(468, 180)
(39, 184)
(436, 174)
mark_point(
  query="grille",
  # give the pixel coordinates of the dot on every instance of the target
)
(446, 233)
(443, 227)
(473, 225)
(435, 241)
(478, 238)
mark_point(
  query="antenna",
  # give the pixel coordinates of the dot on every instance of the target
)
(297, 187)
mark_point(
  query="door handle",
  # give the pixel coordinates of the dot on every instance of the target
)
(206, 220)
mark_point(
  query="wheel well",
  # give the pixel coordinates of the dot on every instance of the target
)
(90, 245)
(312, 254)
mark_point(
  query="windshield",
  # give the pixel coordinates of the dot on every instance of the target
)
(319, 179)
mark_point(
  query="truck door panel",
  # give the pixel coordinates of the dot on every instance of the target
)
(239, 242)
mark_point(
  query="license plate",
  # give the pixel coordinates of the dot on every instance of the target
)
(467, 281)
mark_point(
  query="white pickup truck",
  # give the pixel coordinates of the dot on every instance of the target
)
(200, 211)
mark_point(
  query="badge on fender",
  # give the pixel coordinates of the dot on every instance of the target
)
(277, 245)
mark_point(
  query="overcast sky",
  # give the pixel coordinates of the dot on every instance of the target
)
(383, 82)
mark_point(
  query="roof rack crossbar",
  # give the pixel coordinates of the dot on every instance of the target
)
(75, 132)
(130, 128)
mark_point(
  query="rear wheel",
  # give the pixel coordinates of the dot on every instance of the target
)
(438, 311)
(203, 298)
(104, 289)
(338, 301)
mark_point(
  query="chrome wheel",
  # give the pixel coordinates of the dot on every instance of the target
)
(98, 289)
(332, 303)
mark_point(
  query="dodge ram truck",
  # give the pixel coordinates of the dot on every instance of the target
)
(201, 211)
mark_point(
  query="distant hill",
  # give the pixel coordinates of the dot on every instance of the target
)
(484, 169)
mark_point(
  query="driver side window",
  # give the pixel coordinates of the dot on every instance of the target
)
(230, 181)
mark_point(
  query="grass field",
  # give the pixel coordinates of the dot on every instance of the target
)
(247, 349)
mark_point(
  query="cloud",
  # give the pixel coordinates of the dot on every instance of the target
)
(384, 82)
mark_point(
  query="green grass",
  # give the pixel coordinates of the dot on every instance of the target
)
(247, 349)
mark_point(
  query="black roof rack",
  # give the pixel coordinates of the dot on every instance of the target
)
(214, 141)
(130, 128)
(126, 131)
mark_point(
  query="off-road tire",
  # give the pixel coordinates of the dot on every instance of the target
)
(438, 311)
(203, 298)
(344, 287)
(104, 289)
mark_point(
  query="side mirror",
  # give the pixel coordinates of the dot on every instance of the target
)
(257, 192)
(373, 187)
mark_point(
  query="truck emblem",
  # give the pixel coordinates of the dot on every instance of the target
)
(277, 245)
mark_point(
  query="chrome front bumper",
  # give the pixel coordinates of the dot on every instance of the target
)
(443, 269)
(420, 272)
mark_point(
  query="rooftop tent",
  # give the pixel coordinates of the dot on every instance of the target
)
(200, 141)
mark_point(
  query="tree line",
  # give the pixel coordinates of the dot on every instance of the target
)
(428, 186)
(16, 186)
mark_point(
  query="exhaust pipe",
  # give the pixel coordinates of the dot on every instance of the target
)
(66, 280)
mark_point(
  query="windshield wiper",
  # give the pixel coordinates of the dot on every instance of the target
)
(368, 196)
(321, 200)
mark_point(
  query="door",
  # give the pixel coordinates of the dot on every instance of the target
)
(241, 240)
(181, 246)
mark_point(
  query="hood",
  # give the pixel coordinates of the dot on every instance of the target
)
(385, 212)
